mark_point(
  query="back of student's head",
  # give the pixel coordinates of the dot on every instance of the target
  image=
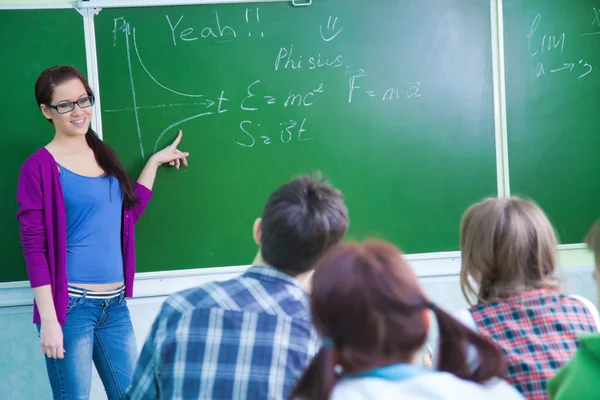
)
(368, 305)
(301, 220)
(593, 242)
(508, 247)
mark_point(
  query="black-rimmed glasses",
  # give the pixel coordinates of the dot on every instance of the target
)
(69, 106)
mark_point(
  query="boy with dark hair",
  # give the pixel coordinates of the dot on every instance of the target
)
(250, 337)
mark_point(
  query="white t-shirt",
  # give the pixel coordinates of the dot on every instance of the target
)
(431, 386)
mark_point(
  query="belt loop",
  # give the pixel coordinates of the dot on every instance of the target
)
(83, 296)
(122, 295)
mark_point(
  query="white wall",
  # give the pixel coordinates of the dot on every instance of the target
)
(22, 370)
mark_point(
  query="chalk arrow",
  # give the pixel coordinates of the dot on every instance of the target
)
(565, 66)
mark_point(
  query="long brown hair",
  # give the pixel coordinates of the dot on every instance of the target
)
(49, 79)
(368, 304)
(508, 246)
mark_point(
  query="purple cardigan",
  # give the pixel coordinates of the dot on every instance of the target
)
(43, 219)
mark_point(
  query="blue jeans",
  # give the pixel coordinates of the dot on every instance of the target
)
(97, 330)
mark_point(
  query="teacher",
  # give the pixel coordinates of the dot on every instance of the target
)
(77, 210)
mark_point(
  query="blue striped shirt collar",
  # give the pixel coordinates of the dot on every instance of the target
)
(265, 273)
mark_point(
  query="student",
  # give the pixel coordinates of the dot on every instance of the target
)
(508, 264)
(579, 378)
(250, 337)
(77, 208)
(368, 306)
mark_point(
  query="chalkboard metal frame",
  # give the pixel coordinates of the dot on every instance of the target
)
(91, 57)
(50, 6)
(500, 99)
(155, 3)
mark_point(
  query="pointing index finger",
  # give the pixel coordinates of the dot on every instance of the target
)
(177, 139)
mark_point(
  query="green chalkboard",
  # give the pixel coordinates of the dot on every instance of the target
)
(552, 68)
(32, 40)
(392, 101)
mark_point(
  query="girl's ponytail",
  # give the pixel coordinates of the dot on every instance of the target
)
(318, 379)
(455, 341)
(108, 161)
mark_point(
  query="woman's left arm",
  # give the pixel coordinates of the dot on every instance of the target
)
(169, 154)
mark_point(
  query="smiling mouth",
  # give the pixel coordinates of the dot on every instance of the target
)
(78, 121)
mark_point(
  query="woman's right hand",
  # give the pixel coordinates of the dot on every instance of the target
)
(51, 339)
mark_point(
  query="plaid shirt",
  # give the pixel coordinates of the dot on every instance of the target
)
(247, 338)
(537, 332)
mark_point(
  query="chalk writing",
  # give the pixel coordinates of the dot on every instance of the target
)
(174, 125)
(215, 31)
(258, 94)
(243, 127)
(413, 90)
(119, 24)
(547, 42)
(595, 22)
(354, 86)
(191, 104)
(330, 32)
(290, 130)
(137, 52)
(251, 101)
(390, 93)
(290, 126)
(302, 99)
(248, 20)
(538, 44)
(539, 70)
(582, 68)
(250, 95)
(221, 100)
(285, 60)
(570, 66)
(565, 66)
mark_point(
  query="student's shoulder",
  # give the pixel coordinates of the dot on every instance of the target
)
(38, 160)
(205, 296)
(589, 306)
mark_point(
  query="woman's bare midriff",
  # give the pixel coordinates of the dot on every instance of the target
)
(97, 287)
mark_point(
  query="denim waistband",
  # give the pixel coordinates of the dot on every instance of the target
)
(92, 294)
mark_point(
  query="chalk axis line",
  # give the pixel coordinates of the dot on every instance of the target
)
(130, 32)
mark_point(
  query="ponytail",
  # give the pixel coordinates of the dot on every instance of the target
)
(318, 379)
(108, 161)
(454, 342)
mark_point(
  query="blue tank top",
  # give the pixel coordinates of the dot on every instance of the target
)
(94, 211)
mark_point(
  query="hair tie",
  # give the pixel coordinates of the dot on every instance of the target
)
(328, 342)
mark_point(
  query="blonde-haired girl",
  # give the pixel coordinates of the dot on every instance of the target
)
(509, 262)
